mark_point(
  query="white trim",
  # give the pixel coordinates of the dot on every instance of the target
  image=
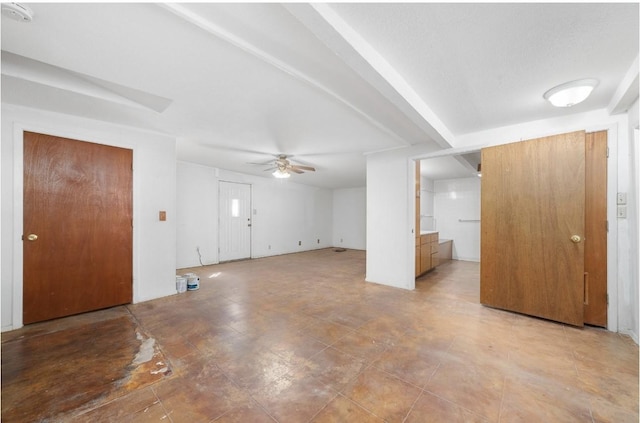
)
(612, 235)
(411, 218)
(18, 206)
(449, 152)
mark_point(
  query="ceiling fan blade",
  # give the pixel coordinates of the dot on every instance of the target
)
(308, 168)
(293, 169)
(261, 163)
(270, 169)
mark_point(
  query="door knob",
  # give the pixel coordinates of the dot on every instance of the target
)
(32, 237)
(575, 239)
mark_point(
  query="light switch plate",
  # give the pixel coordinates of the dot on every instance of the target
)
(622, 212)
(622, 198)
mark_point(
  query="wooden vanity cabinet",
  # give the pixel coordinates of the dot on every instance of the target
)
(418, 264)
(427, 253)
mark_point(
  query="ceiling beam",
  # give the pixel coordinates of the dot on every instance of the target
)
(627, 91)
(221, 33)
(41, 73)
(348, 44)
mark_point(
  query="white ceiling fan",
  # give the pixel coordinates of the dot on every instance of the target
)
(282, 166)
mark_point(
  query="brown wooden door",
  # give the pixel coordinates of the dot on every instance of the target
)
(533, 198)
(595, 246)
(78, 202)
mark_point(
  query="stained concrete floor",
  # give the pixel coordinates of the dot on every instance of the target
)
(302, 338)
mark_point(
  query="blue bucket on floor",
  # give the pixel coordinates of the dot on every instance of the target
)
(193, 281)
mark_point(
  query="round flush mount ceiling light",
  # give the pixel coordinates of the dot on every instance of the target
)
(570, 93)
(17, 12)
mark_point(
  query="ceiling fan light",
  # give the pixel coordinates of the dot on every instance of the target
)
(280, 174)
(570, 93)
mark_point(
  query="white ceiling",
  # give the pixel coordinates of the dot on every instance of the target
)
(237, 83)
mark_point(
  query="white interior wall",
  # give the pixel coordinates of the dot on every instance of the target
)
(391, 218)
(154, 189)
(350, 218)
(427, 198)
(284, 213)
(196, 215)
(629, 323)
(455, 200)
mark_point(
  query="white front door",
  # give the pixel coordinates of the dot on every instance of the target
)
(235, 221)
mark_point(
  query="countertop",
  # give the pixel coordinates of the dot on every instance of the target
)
(428, 232)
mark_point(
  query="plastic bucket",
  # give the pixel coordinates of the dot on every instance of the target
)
(181, 284)
(193, 281)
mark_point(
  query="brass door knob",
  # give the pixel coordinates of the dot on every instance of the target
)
(576, 239)
(32, 237)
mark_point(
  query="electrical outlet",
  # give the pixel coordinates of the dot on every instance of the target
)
(299, 242)
(622, 212)
(340, 240)
(318, 240)
(269, 246)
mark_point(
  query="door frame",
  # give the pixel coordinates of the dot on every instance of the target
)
(612, 178)
(18, 204)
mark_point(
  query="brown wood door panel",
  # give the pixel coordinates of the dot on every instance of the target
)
(78, 201)
(532, 203)
(595, 247)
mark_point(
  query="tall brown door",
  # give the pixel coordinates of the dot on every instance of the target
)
(77, 238)
(532, 224)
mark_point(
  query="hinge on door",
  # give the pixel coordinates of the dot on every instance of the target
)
(606, 225)
(607, 299)
(607, 152)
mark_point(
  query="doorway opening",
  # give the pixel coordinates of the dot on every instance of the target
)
(450, 204)
(438, 209)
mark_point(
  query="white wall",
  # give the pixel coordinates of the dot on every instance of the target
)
(350, 218)
(197, 215)
(629, 323)
(457, 199)
(154, 189)
(391, 218)
(283, 213)
(427, 198)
